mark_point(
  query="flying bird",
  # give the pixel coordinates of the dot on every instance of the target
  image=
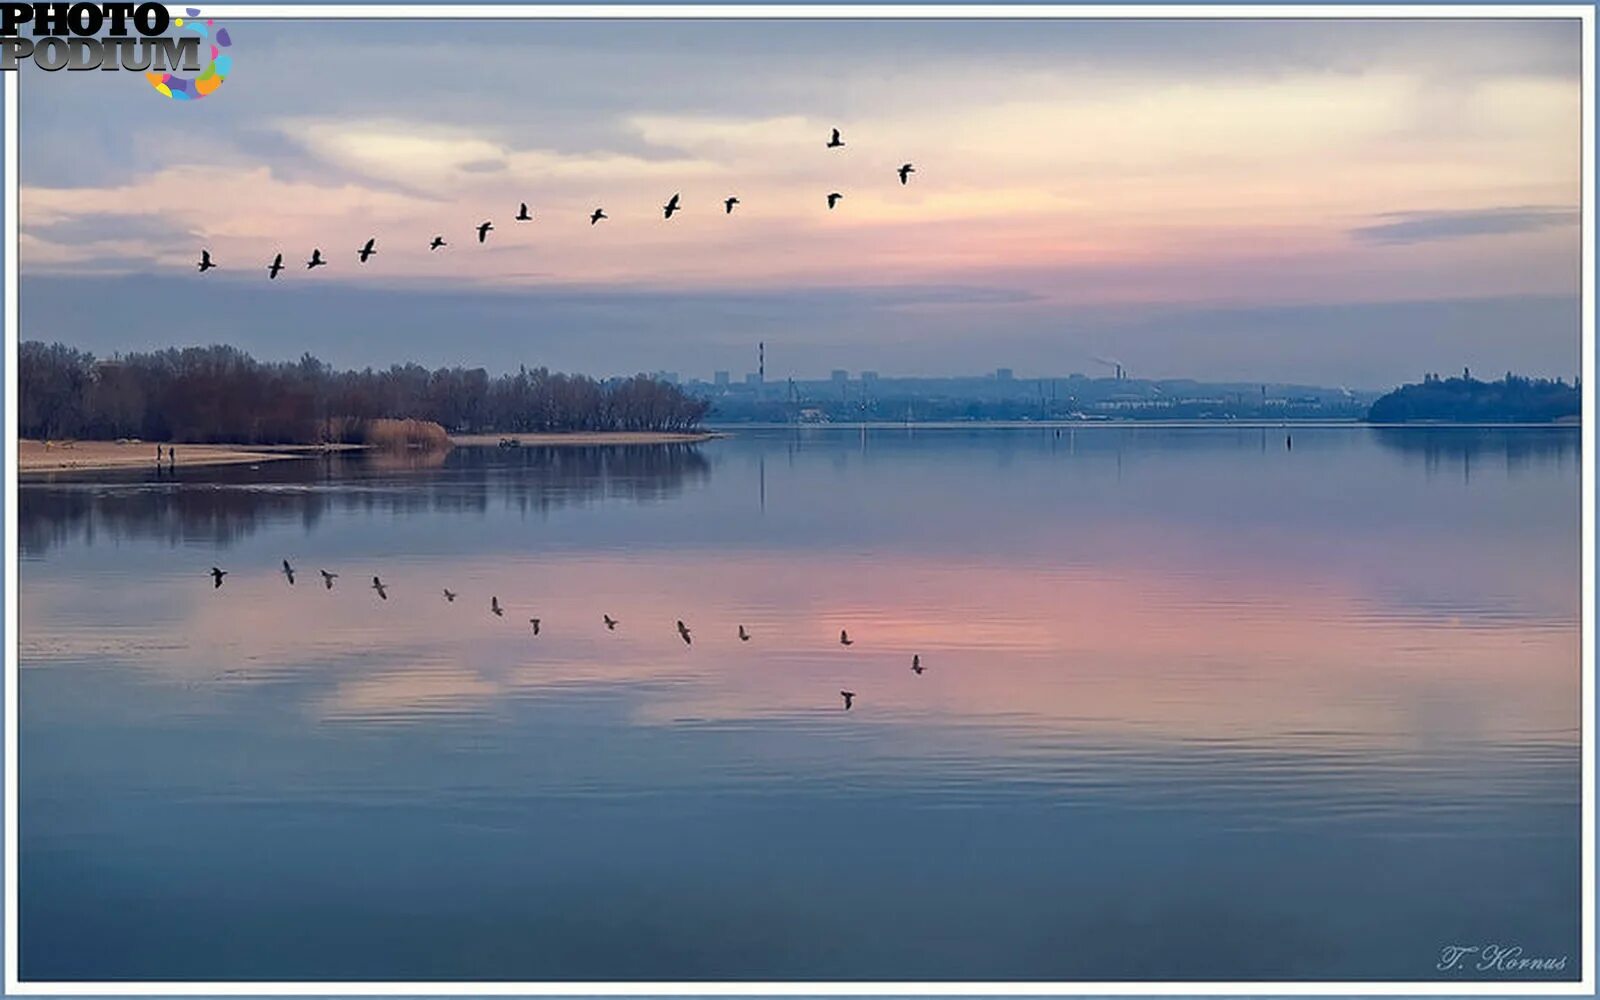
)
(377, 585)
(368, 249)
(597, 215)
(288, 571)
(743, 635)
(849, 699)
(728, 204)
(316, 259)
(205, 261)
(494, 606)
(906, 170)
(274, 267)
(683, 630)
(523, 215)
(328, 578)
(611, 623)
(670, 207)
(835, 142)
(535, 623)
(483, 230)
(833, 199)
(449, 595)
(216, 577)
(916, 664)
(844, 638)
(438, 241)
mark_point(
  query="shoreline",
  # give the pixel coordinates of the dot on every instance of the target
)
(36, 457)
(575, 438)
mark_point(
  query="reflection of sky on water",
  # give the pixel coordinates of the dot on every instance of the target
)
(1262, 706)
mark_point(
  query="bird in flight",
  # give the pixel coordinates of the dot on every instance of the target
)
(483, 230)
(743, 635)
(523, 215)
(316, 259)
(216, 577)
(438, 241)
(368, 249)
(670, 207)
(597, 215)
(844, 638)
(728, 203)
(835, 142)
(274, 267)
(328, 578)
(205, 261)
(849, 699)
(906, 170)
(611, 623)
(494, 606)
(916, 664)
(535, 623)
(683, 630)
(449, 595)
(833, 199)
(377, 585)
(288, 572)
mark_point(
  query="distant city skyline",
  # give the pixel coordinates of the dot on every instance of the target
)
(1335, 202)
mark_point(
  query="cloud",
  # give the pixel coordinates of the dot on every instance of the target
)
(1425, 227)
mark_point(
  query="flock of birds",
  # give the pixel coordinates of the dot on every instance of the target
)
(673, 206)
(499, 611)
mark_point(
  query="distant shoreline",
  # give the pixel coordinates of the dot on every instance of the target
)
(34, 457)
(587, 438)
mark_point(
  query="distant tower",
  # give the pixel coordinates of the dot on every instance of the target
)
(761, 361)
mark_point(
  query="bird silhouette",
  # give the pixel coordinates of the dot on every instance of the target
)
(743, 635)
(368, 249)
(316, 259)
(670, 207)
(484, 229)
(288, 571)
(377, 585)
(833, 199)
(916, 664)
(683, 630)
(523, 215)
(597, 215)
(835, 142)
(906, 170)
(495, 608)
(728, 203)
(849, 699)
(216, 577)
(535, 623)
(438, 241)
(328, 578)
(611, 623)
(274, 267)
(205, 262)
(844, 638)
(450, 595)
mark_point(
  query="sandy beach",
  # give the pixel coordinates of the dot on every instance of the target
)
(585, 438)
(69, 456)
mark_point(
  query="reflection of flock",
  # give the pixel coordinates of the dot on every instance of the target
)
(499, 611)
(524, 214)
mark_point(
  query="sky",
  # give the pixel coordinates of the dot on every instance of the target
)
(1339, 202)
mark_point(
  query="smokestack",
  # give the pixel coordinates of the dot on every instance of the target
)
(761, 368)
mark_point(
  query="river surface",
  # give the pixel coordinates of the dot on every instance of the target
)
(1196, 703)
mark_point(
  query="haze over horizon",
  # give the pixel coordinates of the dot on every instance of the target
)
(1331, 202)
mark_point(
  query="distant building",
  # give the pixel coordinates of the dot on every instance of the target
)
(840, 376)
(751, 378)
(869, 377)
(720, 379)
(1004, 374)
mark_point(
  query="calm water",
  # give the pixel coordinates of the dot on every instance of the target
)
(1196, 705)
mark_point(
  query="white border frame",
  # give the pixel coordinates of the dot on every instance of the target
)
(1584, 986)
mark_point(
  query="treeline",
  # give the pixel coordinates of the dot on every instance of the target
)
(221, 394)
(1513, 399)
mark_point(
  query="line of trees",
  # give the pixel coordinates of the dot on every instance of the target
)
(1513, 399)
(222, 394)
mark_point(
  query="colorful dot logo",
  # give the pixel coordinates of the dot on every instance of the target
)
(181, 88)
